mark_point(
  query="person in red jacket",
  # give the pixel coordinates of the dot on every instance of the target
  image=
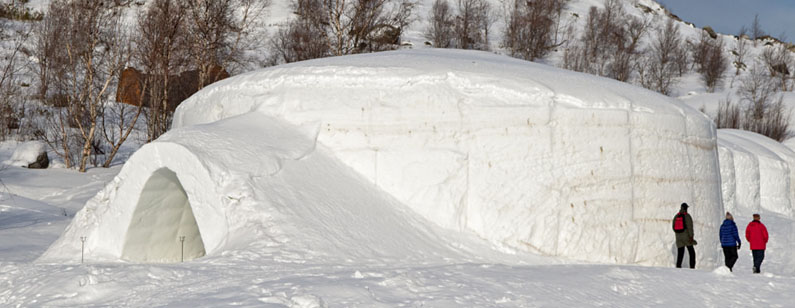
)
(756, 234)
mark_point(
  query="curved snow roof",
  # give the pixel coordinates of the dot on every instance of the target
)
(490, 80)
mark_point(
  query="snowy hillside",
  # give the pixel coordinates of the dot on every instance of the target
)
(688, 86)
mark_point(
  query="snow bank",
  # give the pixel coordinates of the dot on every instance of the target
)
(528, 156)
(26, 153)
(757, 173)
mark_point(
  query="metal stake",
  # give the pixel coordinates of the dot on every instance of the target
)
(182, 248)
(82, 247)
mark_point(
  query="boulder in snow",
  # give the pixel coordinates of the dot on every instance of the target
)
(32, 154)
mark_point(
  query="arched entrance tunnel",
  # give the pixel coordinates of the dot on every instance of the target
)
(162, 217)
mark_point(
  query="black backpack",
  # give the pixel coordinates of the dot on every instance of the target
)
(679, 223)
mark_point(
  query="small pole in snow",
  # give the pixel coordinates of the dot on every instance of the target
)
(82, 247)
(182, 248)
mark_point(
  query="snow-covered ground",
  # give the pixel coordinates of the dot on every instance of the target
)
(239, 278)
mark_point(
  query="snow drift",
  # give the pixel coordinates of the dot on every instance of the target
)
(26, 153)
(529, 157)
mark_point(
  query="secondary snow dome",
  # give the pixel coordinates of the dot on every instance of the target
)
(526, 156)
(757, 173)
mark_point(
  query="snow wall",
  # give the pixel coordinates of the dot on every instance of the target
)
(756, 173)
(527, 156)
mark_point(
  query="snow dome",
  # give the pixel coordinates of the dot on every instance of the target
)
(526, 156)
(756, 172)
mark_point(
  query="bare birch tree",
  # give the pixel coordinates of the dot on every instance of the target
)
(472, 24)
(659, 70)
(303, 38)
(756, 29)
(11, 96)
(779, 62)
(709, 60)
(162, 52)
(609, 44)
(765, 111)
(440, 24)
(94, 51)
(345, 27)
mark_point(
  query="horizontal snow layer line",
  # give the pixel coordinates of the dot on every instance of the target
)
(511, 93)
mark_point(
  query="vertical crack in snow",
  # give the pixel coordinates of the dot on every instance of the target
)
(632, 177)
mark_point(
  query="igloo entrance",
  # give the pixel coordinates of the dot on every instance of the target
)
(162, 216)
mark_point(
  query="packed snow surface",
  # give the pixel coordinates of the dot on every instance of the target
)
(529, 157)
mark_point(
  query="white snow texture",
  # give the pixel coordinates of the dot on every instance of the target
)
(757, 173)
(526, 156)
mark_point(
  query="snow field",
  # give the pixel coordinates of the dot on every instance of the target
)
(269, 283)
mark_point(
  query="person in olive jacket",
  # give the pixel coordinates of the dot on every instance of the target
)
(683, 228)
(729, 241)
(756, 234)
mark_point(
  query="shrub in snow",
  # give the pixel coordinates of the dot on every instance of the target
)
(532, 27)
(765, 110)
(609, 44)
(712, 63)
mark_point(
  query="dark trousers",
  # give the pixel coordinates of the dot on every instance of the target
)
(759, 256)
(730, 256)
(680, 254)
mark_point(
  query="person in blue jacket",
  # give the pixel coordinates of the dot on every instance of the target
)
(729, 240)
